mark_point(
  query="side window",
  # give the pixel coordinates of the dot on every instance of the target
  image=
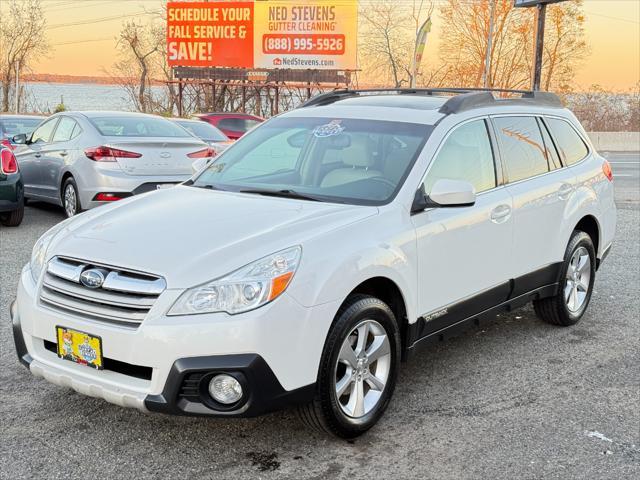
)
(549, 148)
(571, 147)
(65, 130)
(42, 134)
(523, 149)
(465, 155)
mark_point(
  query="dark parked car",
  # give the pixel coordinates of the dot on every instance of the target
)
(233, 125)
(11, 189)
(11, 125)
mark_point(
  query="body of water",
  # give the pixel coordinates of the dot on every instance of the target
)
(44, 97)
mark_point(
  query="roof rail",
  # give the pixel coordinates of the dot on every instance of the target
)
(463, 99)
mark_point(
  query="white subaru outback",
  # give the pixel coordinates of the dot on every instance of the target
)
(314, 255)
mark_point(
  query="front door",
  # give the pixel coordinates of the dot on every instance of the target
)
(30, 158)
(464, 252)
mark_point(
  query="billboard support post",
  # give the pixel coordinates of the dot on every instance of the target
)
(541, 13)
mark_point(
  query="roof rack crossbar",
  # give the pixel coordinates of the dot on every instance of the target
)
(464, 98)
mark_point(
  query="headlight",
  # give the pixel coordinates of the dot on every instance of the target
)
(39, 252)
(245, 289)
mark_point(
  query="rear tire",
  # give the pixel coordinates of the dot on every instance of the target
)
(14, 218)
(70, 199)
(358, 369)
(577, 277)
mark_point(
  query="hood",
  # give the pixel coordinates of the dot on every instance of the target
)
(190, 235)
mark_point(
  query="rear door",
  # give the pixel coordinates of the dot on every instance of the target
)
(464, 252)
(540, 188)
(30, 158)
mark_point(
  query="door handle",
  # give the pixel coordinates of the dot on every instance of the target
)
(63, 153)
(38, 155)
(564, 191)
(500, 214)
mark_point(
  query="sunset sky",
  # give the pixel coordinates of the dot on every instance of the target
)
(82, 35)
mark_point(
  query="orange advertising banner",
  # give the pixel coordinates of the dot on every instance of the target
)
(204, 34)
(295, 34)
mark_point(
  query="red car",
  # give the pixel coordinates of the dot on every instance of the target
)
(233, 125)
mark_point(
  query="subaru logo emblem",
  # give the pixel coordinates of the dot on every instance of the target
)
(92, 278)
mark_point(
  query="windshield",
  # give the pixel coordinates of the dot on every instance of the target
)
(342, 160)
(203, 130)
(18, 125)
(134, 126)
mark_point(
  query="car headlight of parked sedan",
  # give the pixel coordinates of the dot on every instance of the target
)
(248, 288)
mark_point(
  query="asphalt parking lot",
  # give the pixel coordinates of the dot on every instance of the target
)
(515, 399)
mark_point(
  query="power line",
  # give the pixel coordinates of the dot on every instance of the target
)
(612, 18)
(74, 42)
(103, 19)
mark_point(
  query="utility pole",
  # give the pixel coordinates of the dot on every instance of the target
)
(486, 78)
(541, 13)
(17, 93)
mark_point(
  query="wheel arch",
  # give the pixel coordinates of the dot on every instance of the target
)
(65, 175)
(390, 293)
(589, 224)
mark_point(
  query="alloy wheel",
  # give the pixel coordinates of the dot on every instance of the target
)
(578, 279)
(362, 369)
(70, 201)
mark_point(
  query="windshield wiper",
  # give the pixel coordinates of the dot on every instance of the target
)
(285, 193)
(206, 186)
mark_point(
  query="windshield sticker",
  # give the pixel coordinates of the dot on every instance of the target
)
(329, 130)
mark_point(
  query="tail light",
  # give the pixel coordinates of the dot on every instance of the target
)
(108, 154)
(110, 197)
(7, 144)
(606, 169)
(204, 153)
(9, 163)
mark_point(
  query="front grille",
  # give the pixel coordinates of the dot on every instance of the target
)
(124, 297)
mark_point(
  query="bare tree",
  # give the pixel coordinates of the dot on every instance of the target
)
(22, 37)
(464, 43)
(138, 43)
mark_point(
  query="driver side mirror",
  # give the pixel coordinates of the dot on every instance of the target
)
(20, 139)
(445, 193)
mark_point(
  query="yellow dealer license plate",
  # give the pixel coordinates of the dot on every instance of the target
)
(79, 347)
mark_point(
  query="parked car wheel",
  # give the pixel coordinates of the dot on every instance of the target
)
(14, 218)
(358, 369)
(577, 276)
(70, 199)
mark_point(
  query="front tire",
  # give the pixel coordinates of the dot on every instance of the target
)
(70, 199)
(358, 369)
(577, 277)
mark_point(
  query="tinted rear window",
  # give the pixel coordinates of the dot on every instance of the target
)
(571, 147)
(522, 147)
(203, 130)
(238, 124)
(137, 127)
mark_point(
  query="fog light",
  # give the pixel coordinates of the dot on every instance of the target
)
(225, 389)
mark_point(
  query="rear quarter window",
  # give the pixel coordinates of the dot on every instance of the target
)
(571, 147)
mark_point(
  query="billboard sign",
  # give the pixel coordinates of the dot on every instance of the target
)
(292, 34)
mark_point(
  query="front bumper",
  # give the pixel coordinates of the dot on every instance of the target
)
(275, 350)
